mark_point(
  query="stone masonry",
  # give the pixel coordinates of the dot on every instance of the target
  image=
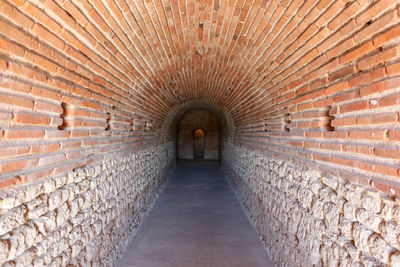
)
(307, 218)
(83, 218)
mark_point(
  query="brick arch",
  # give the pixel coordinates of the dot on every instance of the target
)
(223, 118)
(188, 123)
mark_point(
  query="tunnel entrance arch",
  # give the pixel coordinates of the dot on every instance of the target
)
(198, 136)
(223, 118)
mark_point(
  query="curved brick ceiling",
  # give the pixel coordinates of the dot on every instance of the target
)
(246, 56)
(237, 54)
(179, 51)
(289, 71)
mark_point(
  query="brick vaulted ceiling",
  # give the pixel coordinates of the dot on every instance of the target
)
(305, 75)
(250, 57)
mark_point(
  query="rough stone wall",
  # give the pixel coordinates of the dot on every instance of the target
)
(306, 218)
(198, 119)
(86, 217)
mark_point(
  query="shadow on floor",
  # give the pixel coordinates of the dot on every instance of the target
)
(196, 221)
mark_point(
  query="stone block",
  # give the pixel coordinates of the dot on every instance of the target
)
(346, 228)
(371, 201)
(11, 198)
(379, 249)
(32, 191)
(350, 211)
(395, 259)
(391, 233)
(4, 250)
(330, 181)
(11, 219)
(26, 258)
(62, 215)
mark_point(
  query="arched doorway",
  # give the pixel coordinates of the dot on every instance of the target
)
(198, 136)
(198, 144)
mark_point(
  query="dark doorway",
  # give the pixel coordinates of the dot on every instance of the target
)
(198, 144)
(198, 136)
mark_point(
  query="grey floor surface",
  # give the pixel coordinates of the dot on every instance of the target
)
(196, 221)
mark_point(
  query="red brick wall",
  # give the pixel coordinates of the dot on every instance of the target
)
(331, 89)
(198, 119)
(66, 97)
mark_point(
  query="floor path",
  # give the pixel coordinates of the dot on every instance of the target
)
(196, 221)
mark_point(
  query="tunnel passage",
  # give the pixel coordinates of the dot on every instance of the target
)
(306, 94)
(198, 136)
(205, 222)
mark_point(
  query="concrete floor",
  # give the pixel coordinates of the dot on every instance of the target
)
(196, 221)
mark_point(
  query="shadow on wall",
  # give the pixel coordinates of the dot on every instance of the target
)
(198, 136)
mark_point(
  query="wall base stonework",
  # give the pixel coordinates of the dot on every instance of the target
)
(85, 218)
(307, 218)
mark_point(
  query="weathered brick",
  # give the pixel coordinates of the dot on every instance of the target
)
(376, 26)
(23, 134)
(373, 135)
(31, 119)
(367, 77)
(378, 58)
(11, 48)
(19, 165)
(18, 101)
(393, 135)
(48, 107)
(387, 153)
(357, 52)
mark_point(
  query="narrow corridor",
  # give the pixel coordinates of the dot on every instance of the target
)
(196, 221)
(299, 99)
